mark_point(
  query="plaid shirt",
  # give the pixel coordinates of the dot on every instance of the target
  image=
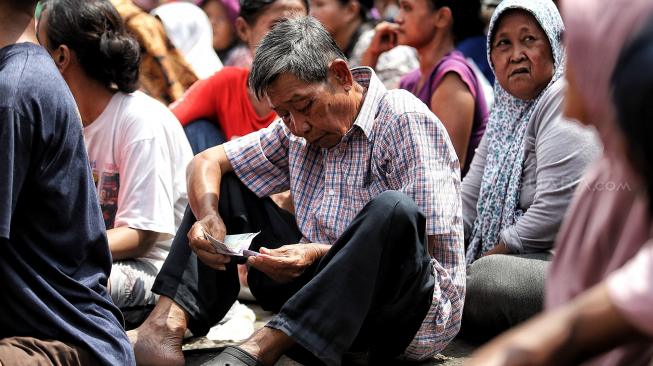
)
(396, 143)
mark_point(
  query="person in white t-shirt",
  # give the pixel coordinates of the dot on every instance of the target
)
(137, 149)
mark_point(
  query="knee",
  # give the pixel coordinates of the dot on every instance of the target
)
(394, 205)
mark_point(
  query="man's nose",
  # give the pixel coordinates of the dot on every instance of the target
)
(300, 125)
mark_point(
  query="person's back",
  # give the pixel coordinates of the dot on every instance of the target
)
(54, 258)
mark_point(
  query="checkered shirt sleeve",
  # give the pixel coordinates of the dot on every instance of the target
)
(260, 159)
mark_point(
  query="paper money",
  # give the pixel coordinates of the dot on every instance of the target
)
(233, 245)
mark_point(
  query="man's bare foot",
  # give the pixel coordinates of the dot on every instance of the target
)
(267, 345)
(158, 340)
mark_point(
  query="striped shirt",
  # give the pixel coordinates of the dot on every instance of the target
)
(395, 143)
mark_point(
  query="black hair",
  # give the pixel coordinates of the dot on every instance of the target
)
(466, 15)
(94, 30)
(250, 10)
(632, 82)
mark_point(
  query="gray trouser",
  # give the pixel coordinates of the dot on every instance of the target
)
(502, 291)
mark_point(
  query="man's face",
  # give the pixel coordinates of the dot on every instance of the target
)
(319, 112)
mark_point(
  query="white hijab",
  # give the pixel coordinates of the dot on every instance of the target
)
(189, 29)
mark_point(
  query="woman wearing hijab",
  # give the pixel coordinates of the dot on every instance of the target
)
(525, 170)
(600, 291)
(189, 29)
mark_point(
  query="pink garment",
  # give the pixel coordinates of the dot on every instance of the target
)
(600, 27)
(631, 290)
(608, 221)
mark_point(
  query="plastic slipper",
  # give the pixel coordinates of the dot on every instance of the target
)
(233, 356)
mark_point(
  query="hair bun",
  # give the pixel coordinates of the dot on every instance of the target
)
(121, 55)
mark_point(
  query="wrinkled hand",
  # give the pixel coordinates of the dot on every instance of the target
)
(205, 251)
(287, 262)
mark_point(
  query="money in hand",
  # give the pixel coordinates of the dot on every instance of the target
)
(233, 245)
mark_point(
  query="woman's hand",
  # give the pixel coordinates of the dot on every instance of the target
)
(384, 39)
(287, 262)
(214, 226)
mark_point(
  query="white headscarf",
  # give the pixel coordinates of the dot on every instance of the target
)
(497, 205)
(189, 29)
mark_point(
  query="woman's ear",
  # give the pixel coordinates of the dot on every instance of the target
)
(242, 30)
(443, 17)
(353, 8)
(62, 57)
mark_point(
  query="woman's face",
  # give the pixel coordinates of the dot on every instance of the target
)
(521, 55)
(223, 30)
(279, 10)
(333, 15)
(417, 23)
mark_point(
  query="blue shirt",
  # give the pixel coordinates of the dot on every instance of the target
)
(54, 256)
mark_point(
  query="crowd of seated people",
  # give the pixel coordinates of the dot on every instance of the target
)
(397, 201)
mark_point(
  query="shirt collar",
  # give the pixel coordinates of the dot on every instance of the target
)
(375, 91)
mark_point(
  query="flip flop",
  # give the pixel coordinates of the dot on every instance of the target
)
(233, 356)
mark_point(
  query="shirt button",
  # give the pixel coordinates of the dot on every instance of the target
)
(331, 192)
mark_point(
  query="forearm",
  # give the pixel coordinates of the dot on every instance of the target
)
(125, 242)
(595, 326)
(204, 175)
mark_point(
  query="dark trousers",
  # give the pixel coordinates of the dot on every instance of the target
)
(369, 293)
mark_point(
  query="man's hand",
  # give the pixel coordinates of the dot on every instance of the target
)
(384, 39)
(214, 226)
(287, 262)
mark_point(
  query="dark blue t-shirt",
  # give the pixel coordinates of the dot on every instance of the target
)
(54, 256)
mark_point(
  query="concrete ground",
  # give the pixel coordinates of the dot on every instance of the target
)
(201, 349)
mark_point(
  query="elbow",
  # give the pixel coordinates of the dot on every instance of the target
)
(146, 240)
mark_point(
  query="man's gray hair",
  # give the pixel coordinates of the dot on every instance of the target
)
(298, 46)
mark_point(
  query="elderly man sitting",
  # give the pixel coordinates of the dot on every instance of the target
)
(373, 259)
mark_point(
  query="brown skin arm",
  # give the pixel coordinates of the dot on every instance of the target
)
(125, 242)
(454, 105)
(577, 331)
(203, 175)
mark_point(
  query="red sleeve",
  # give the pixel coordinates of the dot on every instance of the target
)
(201, 100)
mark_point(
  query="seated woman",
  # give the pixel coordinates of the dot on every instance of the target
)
(352, 29)
(221, 107)
(524, 172)
(599, 292)
(137, 150)
(445, 81)
(226, 43)
(189, 29)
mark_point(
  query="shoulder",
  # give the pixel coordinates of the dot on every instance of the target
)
(548, 110)
(456, 63)
(400, 109)
(32, 86)
(142, 116)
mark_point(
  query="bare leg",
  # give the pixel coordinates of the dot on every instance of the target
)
(267, 345)
(158, 340)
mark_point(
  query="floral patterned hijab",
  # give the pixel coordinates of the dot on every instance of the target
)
(497, 206)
